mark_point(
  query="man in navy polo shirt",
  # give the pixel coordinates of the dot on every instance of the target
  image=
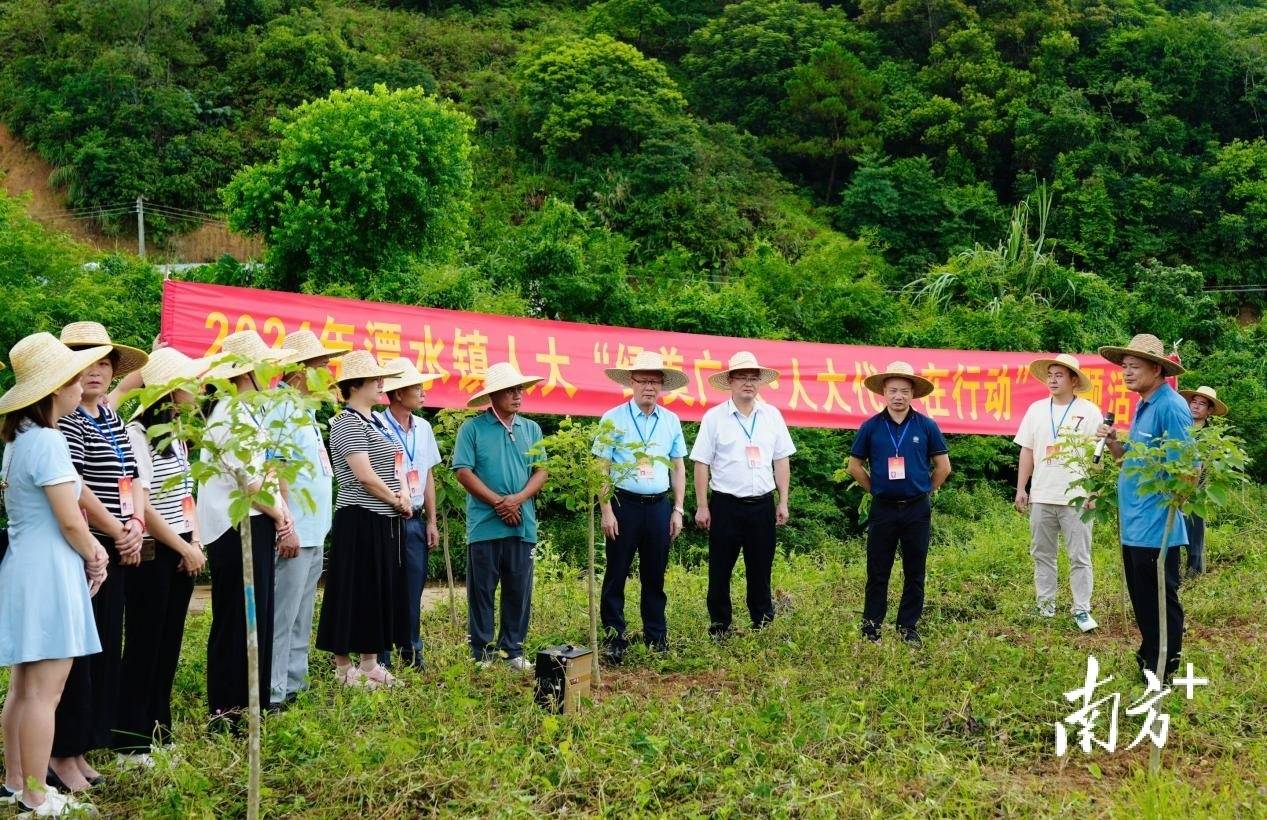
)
(906, 461)
(1161, 414)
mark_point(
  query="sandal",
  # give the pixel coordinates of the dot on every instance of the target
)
(379, 676)
(351, 675)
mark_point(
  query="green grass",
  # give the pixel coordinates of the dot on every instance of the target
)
(802, 719)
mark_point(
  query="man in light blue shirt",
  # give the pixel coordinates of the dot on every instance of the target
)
(638, 519)
(311, 501)
(1161, 414)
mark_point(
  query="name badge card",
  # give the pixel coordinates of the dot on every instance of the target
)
(187, 510)
(754, 455)
(126, 506)
(897, 468)
(326, 467)
(400, 467)
(415, 487)
(646, 470)
(1052, 451)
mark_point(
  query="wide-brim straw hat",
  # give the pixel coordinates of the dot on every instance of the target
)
(42, 364)
(305, 346)
(1144, 346)
(241, 353)
(646, 362)
(167, 365)
(409, 376)
(899, 370)
(78, 335)
(361, 364)
(1208, 393)
(1039, 367)
(500, 376)
(743, 360)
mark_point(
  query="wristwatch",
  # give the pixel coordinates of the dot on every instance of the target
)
(679, 511)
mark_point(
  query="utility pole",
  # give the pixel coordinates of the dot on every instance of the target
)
(140, 226)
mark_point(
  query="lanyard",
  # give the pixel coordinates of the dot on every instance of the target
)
(510, 428)
(412, 446)
(646, 440)
(106, 431)
(897, 442)
(1055, 428)
(747, 431)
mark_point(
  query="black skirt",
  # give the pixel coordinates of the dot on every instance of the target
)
(357, 615)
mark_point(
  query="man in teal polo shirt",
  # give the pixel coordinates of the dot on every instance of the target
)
(1161, 414)
(492, 463)
(639, 520)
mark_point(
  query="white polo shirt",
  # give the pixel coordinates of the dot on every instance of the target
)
(1047, 426)
(722, 444)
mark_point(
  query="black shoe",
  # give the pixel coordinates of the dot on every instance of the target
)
(51, 778)
(910, 635)
(718, 632)
(658, 647)
(870, 631)
(614, 654)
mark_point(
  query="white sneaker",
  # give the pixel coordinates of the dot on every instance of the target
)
(520, 664)
(1046, 609)
(58, 805)
(1084, 620)
(127, 761)
(9, 794)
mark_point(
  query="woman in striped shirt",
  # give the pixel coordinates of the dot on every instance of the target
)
(158, 590)
(357, 611)
(114, 503)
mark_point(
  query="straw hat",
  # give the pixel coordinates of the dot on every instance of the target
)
(247, 346)
(646, 361)
(305, 346)
(1039, 368)
(500, 377)
(898, 370)
(77, 335)
(743, 360)
(409, 376)
(42, 364)
(1144, 346)
(166, 365)
(361, 364)
(1206, 392)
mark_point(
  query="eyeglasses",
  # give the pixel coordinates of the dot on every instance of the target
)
(746, 379)
(649, 382)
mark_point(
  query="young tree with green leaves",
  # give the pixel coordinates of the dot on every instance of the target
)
(450, 496)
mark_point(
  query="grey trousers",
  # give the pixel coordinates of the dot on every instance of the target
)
(295, 591)
(1047, 522)
(507, 561)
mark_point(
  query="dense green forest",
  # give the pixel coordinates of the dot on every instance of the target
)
(1029, 175)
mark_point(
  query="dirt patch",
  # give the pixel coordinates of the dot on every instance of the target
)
(640, 682)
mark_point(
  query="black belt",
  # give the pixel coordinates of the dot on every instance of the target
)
(747, 499)
(900, 502)
(641, 498)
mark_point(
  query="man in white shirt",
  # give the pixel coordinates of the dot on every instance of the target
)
(741, 454)
(416, 453)
(1048, 425)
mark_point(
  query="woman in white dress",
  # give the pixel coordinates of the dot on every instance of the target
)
(52, 568)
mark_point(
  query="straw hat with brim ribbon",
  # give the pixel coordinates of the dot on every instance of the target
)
(241, 353)
(409, 376)
(78, 335)
(500, 376)
(899, 370)
(166, 365)
(743, 360)
(647, 361)
(305, 346)
(42, 364)
(1144, 346)
(1039, 367)
(1207, 393)
(361, 364)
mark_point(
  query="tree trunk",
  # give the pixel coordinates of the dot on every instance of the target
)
(448, 568)
(593, 601)
(1126, 619)
(1154, 755)
(252, 668)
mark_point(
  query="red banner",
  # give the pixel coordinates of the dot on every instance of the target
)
(820, 385)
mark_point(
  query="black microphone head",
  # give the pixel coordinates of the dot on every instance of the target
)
(1109, 418)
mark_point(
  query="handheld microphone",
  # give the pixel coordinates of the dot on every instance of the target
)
(1109, 418)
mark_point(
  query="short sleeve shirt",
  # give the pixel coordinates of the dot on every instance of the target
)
(351, 432)
(658, 433)
(102, 454)
(500, 459)
(215, 494)
(723, 442)
(417, 444)
(37, 458)
(1044, 429)
(159, 472)
(916, 440)
(1163, 415)
(312, 490)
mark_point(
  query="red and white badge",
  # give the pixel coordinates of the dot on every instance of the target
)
(400, 467)
(897, 468)
(646, 470)
(326, 466)
(754, 455)
(187, 510)
(414, 479)
(126, 506)
(1052, 451)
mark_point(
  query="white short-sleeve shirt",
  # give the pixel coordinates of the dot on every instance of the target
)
(722, 444)
(1044, 423)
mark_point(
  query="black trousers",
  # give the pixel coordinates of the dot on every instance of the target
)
(894, 525)
(226, 644)
(1196, 544)
(1141, 583)
(158, 596)
(643, 530)
(86, 713)
(740, 525)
